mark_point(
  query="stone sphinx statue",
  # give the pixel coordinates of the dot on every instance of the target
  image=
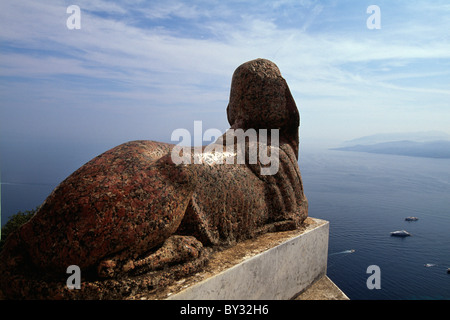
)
(133, 209)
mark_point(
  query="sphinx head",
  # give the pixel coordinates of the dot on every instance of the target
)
(260, 99)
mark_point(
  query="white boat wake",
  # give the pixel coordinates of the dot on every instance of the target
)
(342, 252)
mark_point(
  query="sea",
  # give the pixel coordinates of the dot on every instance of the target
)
(364, 197)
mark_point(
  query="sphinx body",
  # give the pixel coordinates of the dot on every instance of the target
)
(132, 208)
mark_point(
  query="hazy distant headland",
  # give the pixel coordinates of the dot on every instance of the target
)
(420, 144)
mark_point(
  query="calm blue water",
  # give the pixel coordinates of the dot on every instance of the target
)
(365, 197)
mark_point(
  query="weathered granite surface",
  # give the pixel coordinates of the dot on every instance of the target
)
(132, 219)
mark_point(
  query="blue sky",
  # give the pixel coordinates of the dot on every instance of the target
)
(141, 69)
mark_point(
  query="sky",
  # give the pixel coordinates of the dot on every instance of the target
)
(142, 69)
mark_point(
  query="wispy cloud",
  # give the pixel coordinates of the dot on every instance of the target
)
(181, 55)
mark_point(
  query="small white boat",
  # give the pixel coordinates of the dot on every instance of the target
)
(400, 233)
(411, 219)
(448, 270)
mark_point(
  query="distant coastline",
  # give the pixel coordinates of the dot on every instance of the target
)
(432, 149)
(432, 144)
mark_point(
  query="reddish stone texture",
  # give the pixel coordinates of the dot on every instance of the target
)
(131, 211)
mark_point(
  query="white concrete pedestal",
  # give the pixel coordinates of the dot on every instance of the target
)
(274, 266)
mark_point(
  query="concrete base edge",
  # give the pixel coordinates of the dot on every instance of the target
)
(278, 273)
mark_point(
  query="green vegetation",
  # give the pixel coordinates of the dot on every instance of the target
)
(14, 222)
